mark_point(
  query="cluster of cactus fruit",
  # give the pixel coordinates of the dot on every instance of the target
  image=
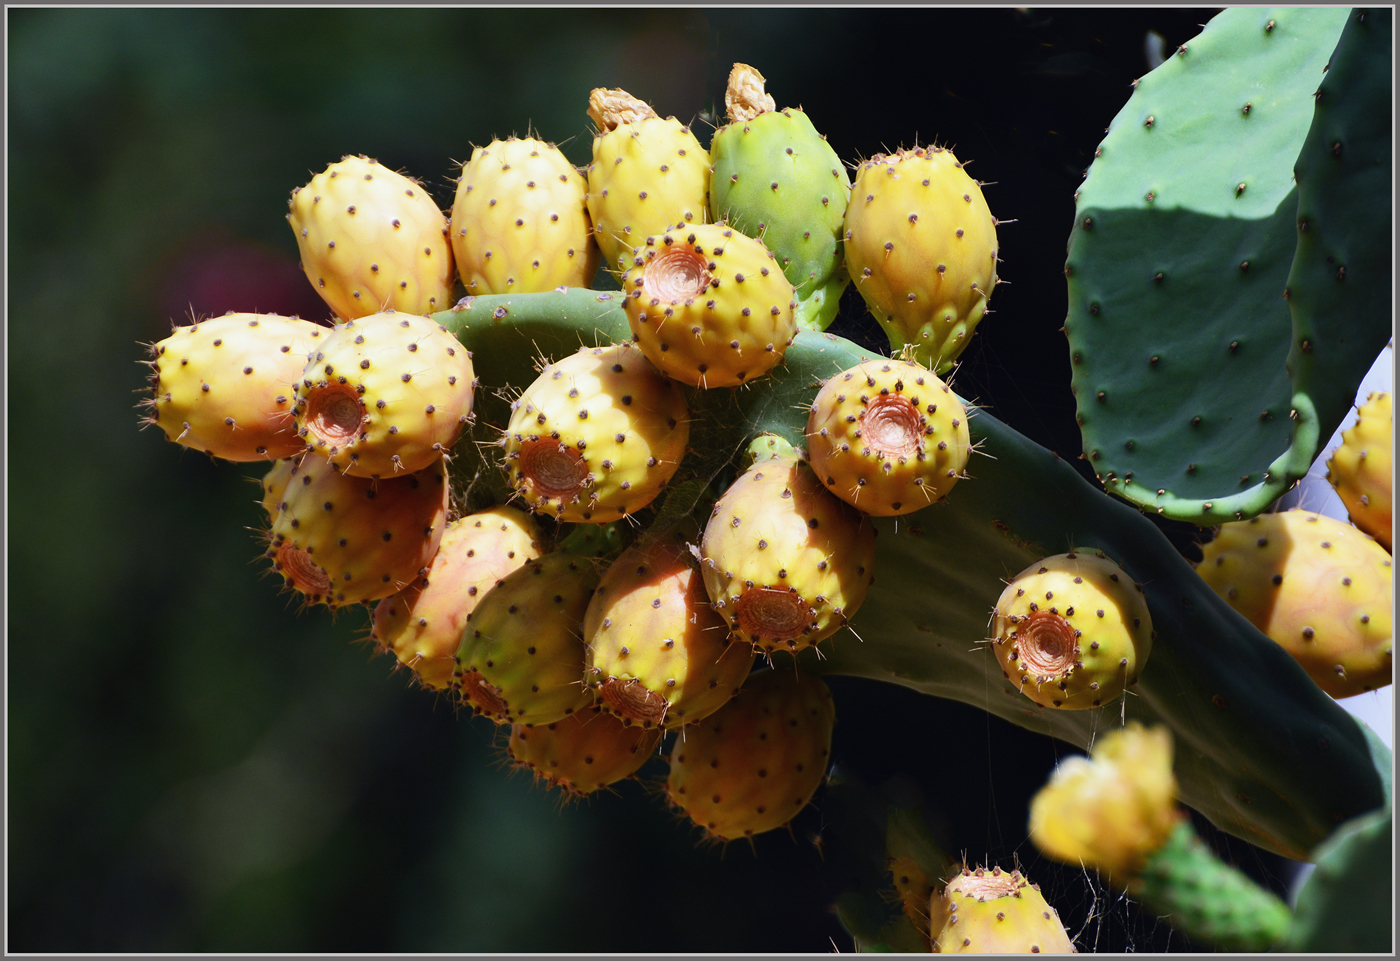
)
(605, 518)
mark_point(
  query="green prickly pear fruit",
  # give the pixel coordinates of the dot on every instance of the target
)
(993, 912)
(385, 394)
(596, 436)
(1317, 586)
(1072, 631)
(774, 177)
(647, 175)
(751, 766)
(372, 240)
(520, 660)
(785, 561)
(519, 220)
(224, 385)
(708, 305)
(888, 436)
(658, 654)
(340, 539)
(1362, 470)
(921, 246)
(584, 752)
(422, 624)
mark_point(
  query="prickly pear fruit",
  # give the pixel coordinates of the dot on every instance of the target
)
(596, 436)
(708, 305)
(993, 912)
(583, 752)
(1317, 586)
(372, 240)
(385, 394)
(274, 485)
(1072, 631)
(520, 660)
(921, 246)
(422, 624)
(888, 436)
(774, 177)
(785, 561)
(340, 539)
(915, 890)
(1362, 470)
(224, 385)
(658, 654)
(648, 174)
(754, 764)
(519, 220)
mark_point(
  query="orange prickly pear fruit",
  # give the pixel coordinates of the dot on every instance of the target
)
(583, 752)
(1362, 469)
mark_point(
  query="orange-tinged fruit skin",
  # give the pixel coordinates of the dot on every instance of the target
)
(646, 176)
(596, 436)
(339, 539)
(422, 624)
(584, 752)
(520, 660)
(658, 653)
(1317, 586)
(921, 246)
(756, 762)
(225, 385)
(992, 912)
(519, 220)
(1072, 631)
(785, 561)
(372, 240)
(385, 394)
(888, 436)
(1362, 469)
(708, 305)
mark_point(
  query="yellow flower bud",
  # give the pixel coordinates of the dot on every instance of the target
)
(1113, 809)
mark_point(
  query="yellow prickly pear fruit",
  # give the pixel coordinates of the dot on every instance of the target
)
(921, 246)
(647, 174)
(225, 385)
(1072, 631)
(755, 763)
(520, 222)
(888, 436)
(385, 394)
(1317, 586)
(658, 653)
(339, 539)
(372, 240)
(709, 305)
(785, 561)
(422, 624)
(596, 436)
(1113, 810)
(993, 912)
(583, 752)
(1362, 470)
(520, 660)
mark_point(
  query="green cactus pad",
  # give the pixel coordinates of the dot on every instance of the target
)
(1246, 719)
(1339, 287)
(1347, 906)
(1183, 239)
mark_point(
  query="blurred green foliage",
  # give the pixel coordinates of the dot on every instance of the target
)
(195, 765)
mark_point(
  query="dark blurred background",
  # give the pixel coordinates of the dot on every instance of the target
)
(196, 766)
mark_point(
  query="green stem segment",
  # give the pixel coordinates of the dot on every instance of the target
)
(1207, 899)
